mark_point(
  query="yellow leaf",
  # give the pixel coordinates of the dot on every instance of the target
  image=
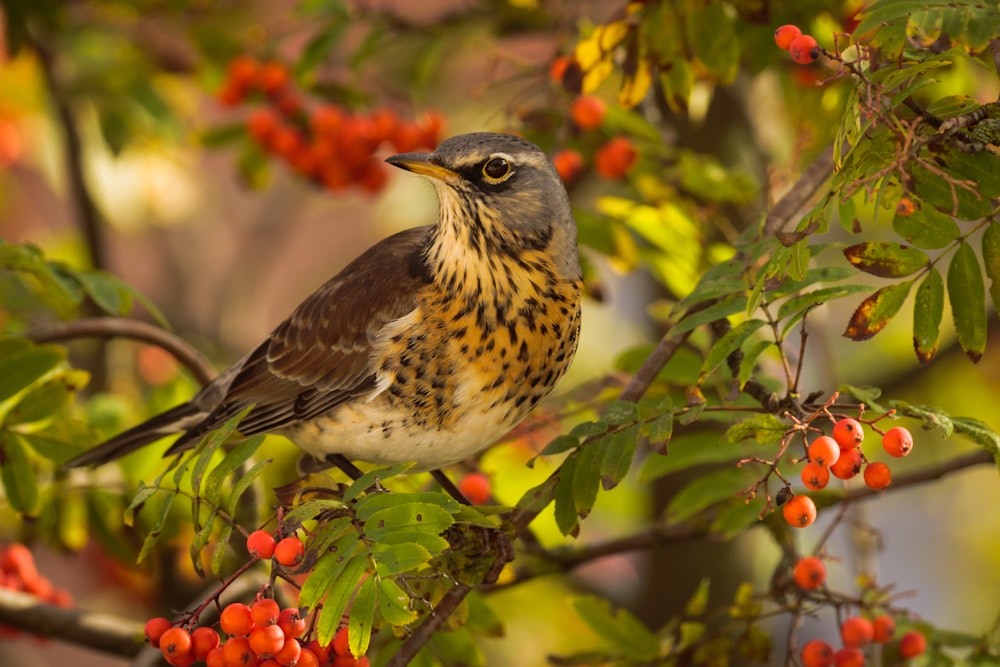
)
(634, 87)
(596, 76)
(588, 52)
(611, 35)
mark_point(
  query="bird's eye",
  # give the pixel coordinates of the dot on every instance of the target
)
(496, 169)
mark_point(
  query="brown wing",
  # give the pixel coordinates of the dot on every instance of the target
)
(320, 356)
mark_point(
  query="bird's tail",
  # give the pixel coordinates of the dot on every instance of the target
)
(172, 421)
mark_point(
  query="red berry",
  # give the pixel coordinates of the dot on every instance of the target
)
(804, 49)
(324, 654)
(203, 640)
(260, 544)
(884, 629)
(587, 112)
(266, 640)
(848, 433)
(569, 163)
(242, 71)
(291, 622)
(615, 158)
(340, 646)
(809, 573)
(557, 68)
(815, 476)
(262, 124)
(800, 511)
(290, 652)
(186, 660)
(17, 559)
(912, 644)
(289, 551)
(784, 35)
(857, 632)
(175, 642)
(475, 486)
(897, 442)
(849, 657)
(848, 465)
(238, 653)
(817, 653)
(265, 611)
(308, 659)
(824, 450)
(273, 77)
(216, 657)
(877, 475)
(155, 627)
(236, 620)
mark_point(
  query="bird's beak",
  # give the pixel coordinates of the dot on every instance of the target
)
(425, 164)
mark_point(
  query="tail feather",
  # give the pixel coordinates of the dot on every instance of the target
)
(174, 420)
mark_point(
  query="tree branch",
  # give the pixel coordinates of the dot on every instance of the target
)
(118, 327)
(803, 190)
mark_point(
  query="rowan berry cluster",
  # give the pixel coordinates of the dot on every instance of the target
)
(325, 143)
(802, 48)
(18, 572)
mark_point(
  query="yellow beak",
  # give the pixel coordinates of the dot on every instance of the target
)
(421, 163)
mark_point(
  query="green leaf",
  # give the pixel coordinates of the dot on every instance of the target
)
(701, 448)
(221, 548)
(979, 433)
(338, 595)
(20, 370)
(991, 261)
(156, 528)
(367, 480)
(618, 455)
(731, 341)
(706, 491)
(659, 431)
(560, 444)
(393, 559)
(887, 260)
(930, 416)
(620, 412)
(926, 227)
(232, 462)
(797, 306)
(106, 291)
(376, 502)
(968, 301)
(763, 428)
(565, 512)
(19, 478)
(222, 135)
(618, 627)
(875, 312)
(731, 519)
(730, 305)
(328, 570)
(928, 309)
(697, 604)
(142, 494)
(394, 603)
(750, 357)
(587, 474)
(201, 537)
(244, 483)
(359, 625)
(867, 395)
(418, 516)
(40, 403)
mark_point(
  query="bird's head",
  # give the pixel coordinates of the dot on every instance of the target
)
(499, 193)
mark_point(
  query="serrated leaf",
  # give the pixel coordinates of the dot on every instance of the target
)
(728, 343)
(618, 627)
(991, 261)
(244, 483)
(968, 301)
(21, 370)
(393, 559)
(731, 305)
(232, 461)
(620, 412)
(201, 537)
(221, 548)
(415, 516)
(565, 511)
(886, 260)
(618, 455)
(931, 417)
(927, 227)
(359, 625)
(394, 604)
(142, 494)
(338, 594)
(763, 428)
(798, 305)
(156, 527)
(560, 444)
(980, 433)
(659, 432)
(19, 478)
(867, 395)
(376, 502)
(928, 310)
(750, 357)
(587, 474)
(329, 569)
(874, 313)
(588, 429)
(367, 480)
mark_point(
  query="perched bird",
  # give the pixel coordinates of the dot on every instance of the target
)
(429, 346)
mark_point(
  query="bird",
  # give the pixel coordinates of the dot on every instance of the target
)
(429, 346)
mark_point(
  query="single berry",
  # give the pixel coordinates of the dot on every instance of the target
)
(265, 611)
(809, 573)
(260, 544)
(857, 632)
(824, 450)
(266, 640)
(308, 659)
(175, 642)
(475, 486)
(849, 657)
(800, 511)
(814, 476)
(848, 433)
(325, 654)
(817, 653)
(289, 551)
(273, 77)
(203, 640)
(897, 441)
(18, 559)
(155, 627)
(784, 35)
(803, 49)
(587, 112)
(613, 160)
(291, 622)
(242, 71)
(558, 67)
(236, 620)
(339, 644)
(216, 657)
(877, 475)
(237, 652)
(884, 629)
(290, 652)
(569, 164)
(186, 660)
(912, 644)
(848, 465)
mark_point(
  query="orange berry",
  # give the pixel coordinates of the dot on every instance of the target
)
(824, 451)
(407, 137)
(814, 476)
(569, 163)
(784, 35)
(289, 551)
(849, 657)
(262, 125)
(339, 644)
(897, 441)
(615, 158)
(848, 465)
(323, 653)
(557, 68)
(18, 559)
(857, 632)
(362, 662)
(230, 94)
(291, 622)
(372, 175)
(203, 640)
(809, 573)
(804, 49)
(386, 121)
(290, 652)
(236, 619)
(238, 653)
(185, 660)
(265, 611)
(266, 640)
(817, 653)
(326, 120)
(175, 642)
(216, 657)
(912, 644)
(431, 125)
(286, 141)
(883, 629)
(273, 77)
(587, 112)
(260, 544)
(800, 511)
(848, 433)
(877, 475)
(476, 487)
(307, 659)
(242, 71)
(155, 627)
